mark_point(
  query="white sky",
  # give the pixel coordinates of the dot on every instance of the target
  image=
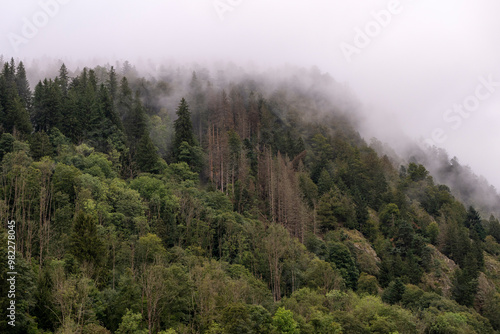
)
(426, 60)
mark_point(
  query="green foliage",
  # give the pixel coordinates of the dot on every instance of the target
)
(465, 286)
(432, 232)
(340, 255)
(183, 127)
(41, 146)
(190, 154)
(146, 156)
(336, 209)
(86, 245)
(394, 292)
(367, 284)
(322, 276)
(388, 216)
(417, 172)
(284, 323)
(6, 144)
(131, 323)
(241, 318)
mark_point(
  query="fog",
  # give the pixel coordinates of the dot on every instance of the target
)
(422, 70)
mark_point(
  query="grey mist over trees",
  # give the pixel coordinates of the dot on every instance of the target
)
(407, 73)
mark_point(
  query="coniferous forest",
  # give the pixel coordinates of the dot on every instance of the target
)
(202, 201)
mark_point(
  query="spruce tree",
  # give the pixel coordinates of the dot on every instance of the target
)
(135, 122)
(16, 116)
(112, 84)
(125, 99)
(23, 86)
(47, 106)
(63, 79)
(183, 129)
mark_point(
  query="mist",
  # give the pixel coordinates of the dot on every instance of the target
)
(422, 71)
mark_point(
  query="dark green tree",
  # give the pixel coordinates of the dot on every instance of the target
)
(135, 122)
(6, 144)
(146, 155)
(394, 292)
(125, 99)
(13, 115)
(340, 255)
(183, 129)
(40, 145)
(47, 106)
(112, 84)
(464, 287)
(473, 222)
(86, 245)
(63, 79)
(494, 228)
(23, 86)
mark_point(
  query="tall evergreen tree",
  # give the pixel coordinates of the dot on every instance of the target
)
(473, 221)
(15, 117)
(135, 122)
(125, 99)
(112, 84)
(183, 129)
(63, 79)
(47, 106)
(23, 86)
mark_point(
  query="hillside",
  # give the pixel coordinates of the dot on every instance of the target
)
(221, 201)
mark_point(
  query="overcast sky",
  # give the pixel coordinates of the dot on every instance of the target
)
(426, 68)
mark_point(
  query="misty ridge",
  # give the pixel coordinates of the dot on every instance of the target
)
(307, 94)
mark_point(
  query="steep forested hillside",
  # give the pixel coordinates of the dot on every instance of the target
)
(194, 201)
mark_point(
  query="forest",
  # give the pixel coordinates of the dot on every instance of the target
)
(219, 201)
